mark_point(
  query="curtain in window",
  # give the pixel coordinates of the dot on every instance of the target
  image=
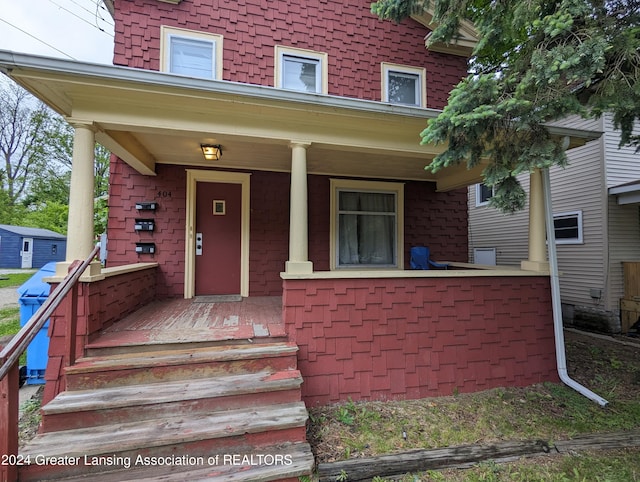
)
(366, 228)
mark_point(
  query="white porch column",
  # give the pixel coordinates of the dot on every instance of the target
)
(298, 262)
(537, 230)
(80, 239)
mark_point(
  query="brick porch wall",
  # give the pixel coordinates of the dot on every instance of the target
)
(100, 304)
(408, 338)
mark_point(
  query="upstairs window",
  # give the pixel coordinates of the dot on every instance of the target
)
(301, 70)
(190, 53)
(403, 85)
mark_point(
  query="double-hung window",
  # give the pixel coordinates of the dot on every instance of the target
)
(367, 222)
(301, 70)
(568, 227)
(190, 53)
(403, 85)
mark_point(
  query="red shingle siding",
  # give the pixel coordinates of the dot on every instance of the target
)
(355, 40)
(168, 189)
(438, 220)
(376, 339)
(269, 237)
(100, 304)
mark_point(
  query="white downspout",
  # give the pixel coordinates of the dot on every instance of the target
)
(561, 358)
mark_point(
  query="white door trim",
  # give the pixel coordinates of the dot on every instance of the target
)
(194, 176)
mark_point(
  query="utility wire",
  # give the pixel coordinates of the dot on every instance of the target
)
(39, 40)
(95, 14)
(79, 17)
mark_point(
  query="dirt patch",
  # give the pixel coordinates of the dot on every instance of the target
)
(611, 364)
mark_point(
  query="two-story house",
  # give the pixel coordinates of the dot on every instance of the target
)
(597, 230)
(266, 186)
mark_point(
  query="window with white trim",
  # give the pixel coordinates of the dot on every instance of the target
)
(191, 53)
(301, 70)
(403, 85)
(568, 227)
(366, 219)
(483, 194)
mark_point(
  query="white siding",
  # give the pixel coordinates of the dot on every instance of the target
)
(578, 187)
(622, 164)
(624, 242)
(508, 233)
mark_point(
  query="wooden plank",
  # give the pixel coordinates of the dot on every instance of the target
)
(169, 431)
(9, 386)
(467, 455)
(628, 319)
(631, 279)
(421, 460)
(166, 392)
(630, 305)
(600, 441)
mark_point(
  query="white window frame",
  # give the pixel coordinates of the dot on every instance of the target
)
(168, 33)
(321, 58)
(570, 214)
(421, 73)
(396, 188)
(479, 201)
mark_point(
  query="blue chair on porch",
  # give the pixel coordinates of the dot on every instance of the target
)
(420, 259)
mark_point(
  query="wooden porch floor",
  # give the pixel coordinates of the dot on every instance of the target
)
(194, 320)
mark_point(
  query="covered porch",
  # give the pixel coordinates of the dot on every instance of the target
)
(363, 332)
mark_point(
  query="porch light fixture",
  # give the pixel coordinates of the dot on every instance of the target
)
(211, 152)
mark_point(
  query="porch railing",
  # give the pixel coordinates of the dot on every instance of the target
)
(9, 370)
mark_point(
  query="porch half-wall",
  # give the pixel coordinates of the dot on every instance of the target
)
(118, 292)
(412, 337)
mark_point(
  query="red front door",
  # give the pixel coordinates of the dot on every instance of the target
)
(218, 238)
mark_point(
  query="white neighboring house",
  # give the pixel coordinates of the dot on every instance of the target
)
(596, 205)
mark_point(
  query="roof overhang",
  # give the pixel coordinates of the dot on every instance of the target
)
(628, 193)
(149, 118)
(463, 44)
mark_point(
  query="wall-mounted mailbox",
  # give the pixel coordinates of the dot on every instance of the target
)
(147, 206)
(144, 225)
(145, 248)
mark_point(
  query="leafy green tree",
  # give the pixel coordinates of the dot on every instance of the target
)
(536, 61)
(36, 146)
(22, 123)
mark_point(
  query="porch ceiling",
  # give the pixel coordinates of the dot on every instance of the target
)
(149, 118)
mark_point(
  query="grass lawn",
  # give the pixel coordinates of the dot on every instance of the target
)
(10, 317)
(546, 411)
(14, 279)
(9, 321)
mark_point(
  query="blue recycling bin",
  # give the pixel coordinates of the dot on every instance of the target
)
(33, 294)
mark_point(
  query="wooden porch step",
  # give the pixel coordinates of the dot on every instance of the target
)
(171, 365)
(293, 461)
(225, 432)
(120, 342)
(90, 408)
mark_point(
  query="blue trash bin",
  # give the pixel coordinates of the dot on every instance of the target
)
(33, 294)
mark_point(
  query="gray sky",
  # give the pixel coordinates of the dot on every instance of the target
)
(68, 29)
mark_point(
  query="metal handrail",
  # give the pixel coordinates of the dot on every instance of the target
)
(19, 343)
